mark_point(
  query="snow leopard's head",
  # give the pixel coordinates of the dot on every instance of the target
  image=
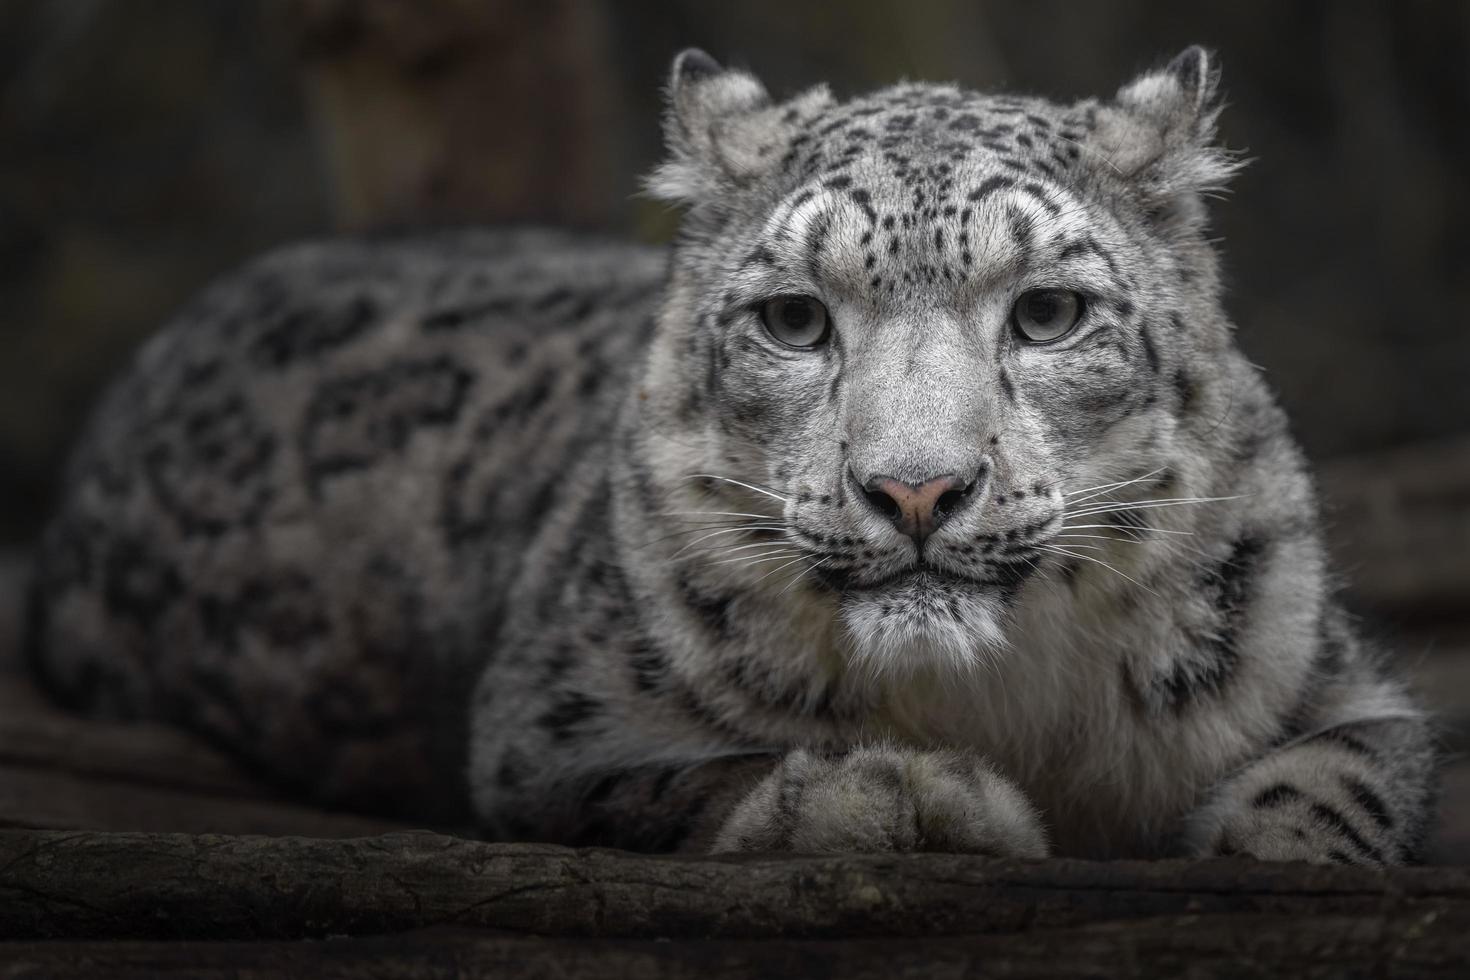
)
(914, 337)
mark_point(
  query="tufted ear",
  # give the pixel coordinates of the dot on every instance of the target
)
(722, 130)
(1159, 133)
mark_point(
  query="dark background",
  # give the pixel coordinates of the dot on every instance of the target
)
(148, 145)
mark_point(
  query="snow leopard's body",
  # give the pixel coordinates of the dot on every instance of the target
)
(572, 520)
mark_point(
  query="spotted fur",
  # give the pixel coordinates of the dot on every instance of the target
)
(364, 478)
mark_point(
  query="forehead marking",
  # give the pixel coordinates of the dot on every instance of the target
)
(792, 224)
(1005, 223)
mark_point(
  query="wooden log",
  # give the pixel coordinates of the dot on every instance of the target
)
(160, 886)
(1303, 946)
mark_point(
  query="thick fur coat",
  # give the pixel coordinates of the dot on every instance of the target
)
(653, 552)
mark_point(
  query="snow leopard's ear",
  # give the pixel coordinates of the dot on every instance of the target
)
(722, 130)
(1159, 133)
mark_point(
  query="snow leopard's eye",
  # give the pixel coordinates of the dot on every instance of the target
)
(1043, 315)
(796, 321)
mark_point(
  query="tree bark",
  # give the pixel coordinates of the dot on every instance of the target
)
(1238, 946)
(436, 904)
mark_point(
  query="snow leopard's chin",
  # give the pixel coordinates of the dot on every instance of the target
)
(924, 621)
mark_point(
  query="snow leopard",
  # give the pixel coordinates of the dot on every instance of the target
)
(916, 498)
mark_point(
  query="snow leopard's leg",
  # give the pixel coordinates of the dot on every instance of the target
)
(877, 799)
(1355, 786)
(566, 751)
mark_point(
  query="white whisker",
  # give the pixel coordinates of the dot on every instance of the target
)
(1116, 527)
(711, 534)
(726, 554)
(808, 571)
(740, 483)
(1114, 506)
(1106, 487)
(1098, 561)
(759, 559)
(758, 544)
(779, 568)
(711, 527)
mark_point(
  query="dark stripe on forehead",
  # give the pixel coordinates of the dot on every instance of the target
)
(800, 199)
(1038, 193)
(816, 243)
(1087, 246)
(1023, 230)
(760, 255)
(991, 186)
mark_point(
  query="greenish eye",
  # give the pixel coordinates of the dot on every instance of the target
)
(796, 321)
(1043, 315)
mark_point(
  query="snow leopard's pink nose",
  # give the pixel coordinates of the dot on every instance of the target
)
(917, 510)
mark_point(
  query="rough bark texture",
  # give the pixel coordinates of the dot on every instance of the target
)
(428, 905)
(1177, 946)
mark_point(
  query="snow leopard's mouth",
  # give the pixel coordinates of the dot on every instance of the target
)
(923, 616)
(923, 578)
(929, 581)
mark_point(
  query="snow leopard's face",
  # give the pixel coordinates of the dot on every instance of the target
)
(933, 323)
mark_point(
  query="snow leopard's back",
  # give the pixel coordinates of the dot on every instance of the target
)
(292, 523)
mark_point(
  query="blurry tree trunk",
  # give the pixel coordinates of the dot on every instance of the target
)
(450, 111)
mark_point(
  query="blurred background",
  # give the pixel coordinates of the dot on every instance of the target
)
(149, 145)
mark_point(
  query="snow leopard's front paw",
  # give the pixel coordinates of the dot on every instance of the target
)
(1311, 804)
(1285, 829)
(880, 799)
